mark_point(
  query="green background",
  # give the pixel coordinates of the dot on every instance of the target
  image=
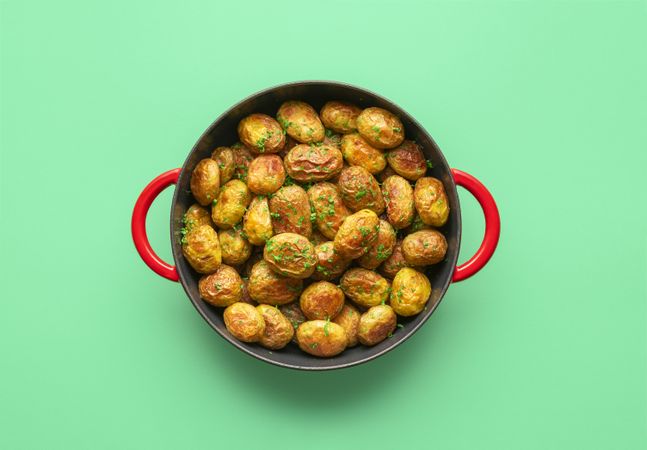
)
(545, 103)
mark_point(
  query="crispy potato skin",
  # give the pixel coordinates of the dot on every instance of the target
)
(242, 158)
(313, 162)
(356, 234)
(330, 264)
(290, 211)
(398, 196)
(348, 319)
(201, 248)
(278, 329)
(431, 201)
(407, 160)
(300, 121)
(393, 263)
(266, 174)
(231, 204)
(376, 324)
(340, 117)
(266, 286)
(257, 222)
(424, 248)
(358, 152)
(221, 288)
(292, 311)
(261, 134)
(224, 156)
(365, 287)
(321, 338)
(410, 292)
(380, 128)
(329, 208)
(321, 300)
(359, 190)
(205, 181)
(195, 216)
(381, 249)
(244, 322)
(290, 255)
(235, 249)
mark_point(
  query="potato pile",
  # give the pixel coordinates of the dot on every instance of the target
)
(319, 230)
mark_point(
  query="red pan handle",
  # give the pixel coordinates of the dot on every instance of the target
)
(492, 225)
(138, 224)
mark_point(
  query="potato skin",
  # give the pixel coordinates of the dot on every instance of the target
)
(321, 300)
(359, 190)
(393, 263)
(330, 264)
(398, 196)
(231, 204)
(348, 319)
(356, 234)
(224, 156)
(381, 248)
(292, 311)
(313, 162)
(261, 133)
(201, 248)
(300, 121)
(244, 322)
(332, 139)
(376, 324)
(195, 216)
(205, 181)
(365, 287)
(278, 329)
(330, 210)
(290, 211)
(410, 292)
(321, 338)
(407, 160)
(265, 174)
(358, 152)
(424, 247)
(242, 158)
(257, 222)
(317, 238)
(221, 288)
(386, 173)
(235, 249)
(290, 255)
(340, 116)
(266, 286)
(380, 128)
(431, 201)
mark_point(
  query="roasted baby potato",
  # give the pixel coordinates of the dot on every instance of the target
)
(221, 288)
(266, 174)
(292, 311)
(205, 181)
(300, 121)
(257, 222)
(407, 160)
(278, 329)
(195, 216)
(290, 255)
(317, 238)
(329, 208)
(381, 248)
(290, 211)
(313, 162)
(348, 319)
(356, 234)
(321, 338)
(261, 134)
(380, 128)
(231, 204)
(424, 247)
(235, 249)
(201, 248)
(340, 116)
(321, 300)
(244, 322)
(365, 287)
(242, 158)
(329, 264)
(332, 139)
(398, 196)
(358, 152)
(267, 286)
(359, 190)
(410, 292)
(431, 201)
(376, 324)
(224, 156)
(393, 263)
(386, 173)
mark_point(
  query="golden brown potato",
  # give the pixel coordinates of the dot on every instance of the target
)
(266, 174)
(245, 298)
(257, 222)
(317, 238)
(321, 338)
(340, 116)
(329, 264)
(205, 181)
(278, 329)
(332, 139)
(235, 249)
(398, 196)
(407, 160)
(292, 311)
(365, 287)
(380, 128)
(321, 300)
(356, 234)
(358, 152)
(267, 286)
(242, 158)
(410, 292)
(201, 248)
(313, 162)
(376, 324)
(381, 248)
(359, 190)
(221, 288)
(290, 211)
(348, 319)
(431, 201)
(290, 255)
(424, 247)
(393, 263)
(300, 121)
(386, 173)
(329, 208)
(244, 322)
(261, 133)
(195, 216)
(231, 204)
(224, 156)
